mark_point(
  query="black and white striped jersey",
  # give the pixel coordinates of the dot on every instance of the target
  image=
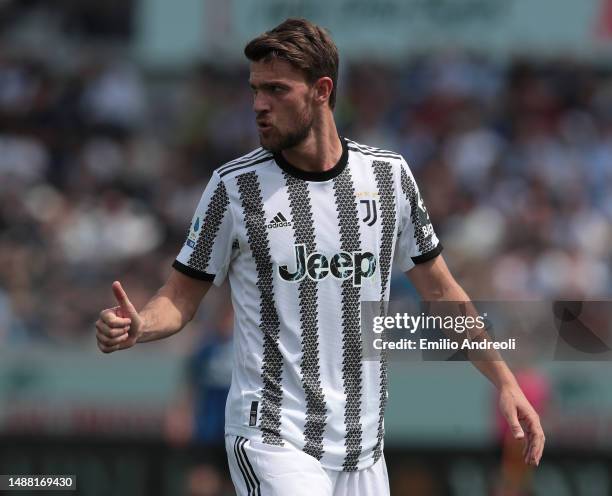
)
(302, 250)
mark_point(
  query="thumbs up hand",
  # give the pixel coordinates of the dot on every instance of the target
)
(119, 327)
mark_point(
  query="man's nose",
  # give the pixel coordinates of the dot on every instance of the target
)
(260, 103)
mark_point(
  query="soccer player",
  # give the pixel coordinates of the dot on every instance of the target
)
(307, 227)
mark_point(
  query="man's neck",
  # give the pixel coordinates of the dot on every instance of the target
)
(320, 151)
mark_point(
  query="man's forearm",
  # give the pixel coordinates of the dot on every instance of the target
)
(164, 315)
(497, 372)
(488, 362)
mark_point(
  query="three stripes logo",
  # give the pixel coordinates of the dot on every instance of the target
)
(251, 481)
(279, 220)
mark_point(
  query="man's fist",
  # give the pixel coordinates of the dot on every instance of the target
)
(118, 327)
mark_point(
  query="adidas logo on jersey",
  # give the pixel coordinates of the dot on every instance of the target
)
(279, 220)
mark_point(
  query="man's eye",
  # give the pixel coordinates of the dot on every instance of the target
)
(277, 89)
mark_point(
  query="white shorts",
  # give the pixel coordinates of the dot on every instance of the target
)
(259, 469)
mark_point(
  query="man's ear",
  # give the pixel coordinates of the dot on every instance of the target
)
(323, 88)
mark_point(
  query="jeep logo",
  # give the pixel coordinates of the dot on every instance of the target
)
(359, 264)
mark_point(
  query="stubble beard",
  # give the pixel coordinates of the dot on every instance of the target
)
(292, 137)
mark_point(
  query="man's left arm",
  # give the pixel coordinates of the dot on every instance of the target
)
(434, 282)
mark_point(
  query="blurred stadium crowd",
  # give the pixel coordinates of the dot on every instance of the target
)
(102, 164)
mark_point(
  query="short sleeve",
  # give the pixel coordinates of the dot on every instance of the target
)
(416, 241)
(207, 250)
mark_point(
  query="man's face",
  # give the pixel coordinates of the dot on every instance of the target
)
(283, 102)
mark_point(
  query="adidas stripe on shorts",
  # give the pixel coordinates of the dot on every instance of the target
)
(260, 469)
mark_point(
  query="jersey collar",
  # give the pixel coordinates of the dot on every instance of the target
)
(314, 175)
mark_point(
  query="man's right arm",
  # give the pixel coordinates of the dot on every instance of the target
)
(165, 314)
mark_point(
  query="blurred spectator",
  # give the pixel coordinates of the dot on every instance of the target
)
(199, 415)
(205, 480)
(416, 479)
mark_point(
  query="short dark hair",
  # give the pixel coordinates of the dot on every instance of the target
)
(304, 45)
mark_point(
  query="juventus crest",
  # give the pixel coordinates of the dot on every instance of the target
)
(370, 212)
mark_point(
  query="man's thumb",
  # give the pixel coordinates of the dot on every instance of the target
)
(515, 427)
(121, 296)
